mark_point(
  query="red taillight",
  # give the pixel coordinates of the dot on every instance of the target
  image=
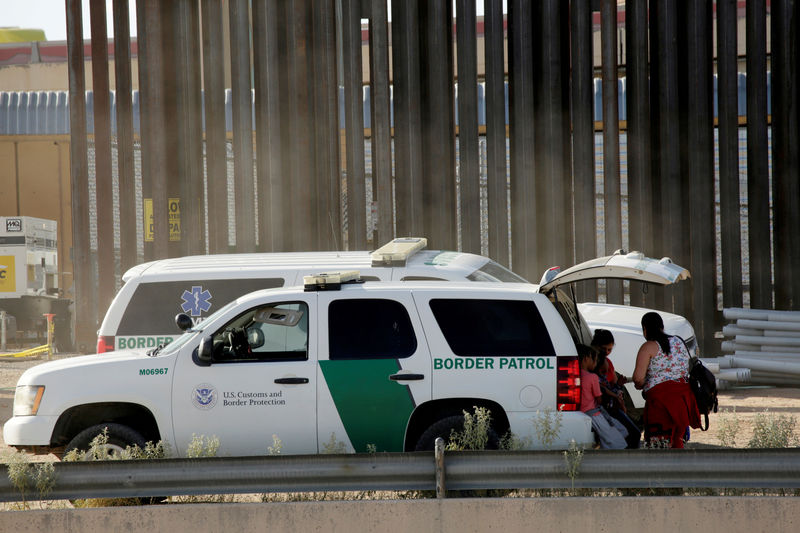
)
(105, 344)
(568, 383)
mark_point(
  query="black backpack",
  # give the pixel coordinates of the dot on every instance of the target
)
(704, 387)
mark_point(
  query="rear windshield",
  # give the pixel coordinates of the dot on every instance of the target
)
(153, 306)
(492, 271)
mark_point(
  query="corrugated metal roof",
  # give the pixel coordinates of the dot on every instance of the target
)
(47, 112)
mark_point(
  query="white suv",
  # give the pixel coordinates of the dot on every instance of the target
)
(383, 366)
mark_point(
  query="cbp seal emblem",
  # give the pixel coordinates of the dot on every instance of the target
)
(204, 396)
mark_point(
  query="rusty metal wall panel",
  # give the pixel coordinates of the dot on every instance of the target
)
(553, 215)
(640, 185)
(83, 289)
(381, 127)
(611, 178)
(700, 170)
(124, 111)
(407, 123)
(727, 95)
(186, 29)
(524, 238)
(438, 123)
(102, 146)
(242, 126)
(469, 170)
(354, 125)
(496, 165)
(214, 106)
(785, 165)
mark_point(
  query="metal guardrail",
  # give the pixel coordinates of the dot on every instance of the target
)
(655, 469)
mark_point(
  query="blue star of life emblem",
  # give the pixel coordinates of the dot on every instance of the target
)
(196, 301)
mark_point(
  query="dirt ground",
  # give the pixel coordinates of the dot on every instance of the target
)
(747, 403)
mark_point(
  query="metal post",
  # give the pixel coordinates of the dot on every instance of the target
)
(496, 165)
(354, 125)
(2, 331)
(668, 217)
(469, 170)
(640, 197)
(50, 332)
(729, 195)
(700, 172)
(553, 216)
(785, 189)
(381, 126)
(214, 102)
(758, 157)
(242, 126)
(407, 117)
(326, 200)
(611, 177)
(521, 117)
(441, 491)
(438, 130)
(79, 175)
(125, 161)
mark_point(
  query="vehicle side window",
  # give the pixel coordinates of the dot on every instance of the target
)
(153, 306)
(370, 329)
(276, 332)
(492, 328)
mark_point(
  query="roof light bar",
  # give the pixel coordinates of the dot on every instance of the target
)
(330, 281)
(397, 251)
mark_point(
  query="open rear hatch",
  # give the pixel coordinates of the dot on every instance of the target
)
(632, 266)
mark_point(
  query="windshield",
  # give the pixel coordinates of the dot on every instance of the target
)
(190, 333)
(492, 271)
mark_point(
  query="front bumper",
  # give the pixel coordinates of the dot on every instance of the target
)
(29, 431)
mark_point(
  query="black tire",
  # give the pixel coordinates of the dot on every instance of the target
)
(444, 427)
(119, 437)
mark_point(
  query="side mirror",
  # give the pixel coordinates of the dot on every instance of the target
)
(206, 350)
(184, 321)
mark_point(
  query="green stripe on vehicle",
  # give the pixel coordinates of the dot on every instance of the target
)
(373, 409)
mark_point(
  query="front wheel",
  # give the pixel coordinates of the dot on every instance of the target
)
(444, 428)
(119, 438)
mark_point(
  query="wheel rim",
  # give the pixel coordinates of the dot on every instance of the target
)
(103, 452)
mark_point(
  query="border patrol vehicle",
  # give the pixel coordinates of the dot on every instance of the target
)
(384, 366)
(142, 314)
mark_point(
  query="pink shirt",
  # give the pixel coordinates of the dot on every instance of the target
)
(590, 390)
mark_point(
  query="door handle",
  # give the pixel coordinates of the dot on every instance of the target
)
(407, 377)
(291, 381)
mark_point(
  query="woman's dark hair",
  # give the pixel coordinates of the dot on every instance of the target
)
(599, 360)
(602, 337)
(654, 330)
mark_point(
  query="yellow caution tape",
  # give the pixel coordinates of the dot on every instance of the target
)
(32, 352)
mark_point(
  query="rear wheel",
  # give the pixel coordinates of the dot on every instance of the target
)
(444, 428)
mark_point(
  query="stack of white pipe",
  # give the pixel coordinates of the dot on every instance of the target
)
(765, 346)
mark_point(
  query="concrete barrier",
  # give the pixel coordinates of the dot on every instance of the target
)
(651, 514)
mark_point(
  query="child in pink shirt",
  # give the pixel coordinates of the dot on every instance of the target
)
(590, 382)
(610, 432)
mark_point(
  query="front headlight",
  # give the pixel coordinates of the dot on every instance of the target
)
(27, 399)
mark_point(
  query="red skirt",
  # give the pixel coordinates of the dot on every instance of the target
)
(669, 409)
